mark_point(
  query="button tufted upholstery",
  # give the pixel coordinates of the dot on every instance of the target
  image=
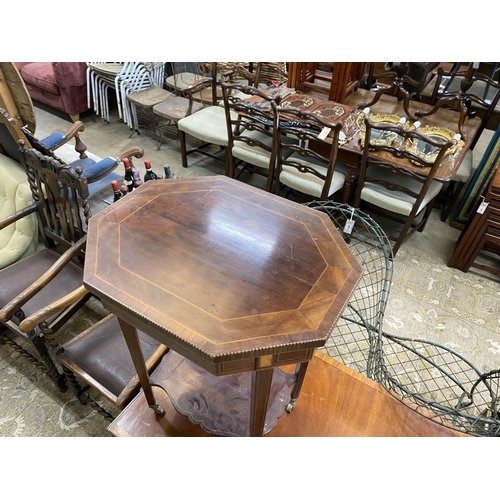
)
(20, 239)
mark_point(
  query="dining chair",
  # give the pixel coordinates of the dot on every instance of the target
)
(169, 112)
(251, 126)
(471, 94)
(183, 76)
(96, 358)
(208, 125)
(397, 176)
(398, 78)
(43, 291)
(417, 77)
(307, 148)
(30, 284)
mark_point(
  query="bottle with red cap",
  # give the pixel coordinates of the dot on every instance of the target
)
(117, 194)
(149, 175)
(129, 176)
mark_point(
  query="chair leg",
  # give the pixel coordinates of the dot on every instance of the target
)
(46, 365)
(83, 397)
(455, 190)
(182, 140)
(58, 378)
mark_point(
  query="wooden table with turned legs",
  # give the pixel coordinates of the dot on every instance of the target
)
(235, 280)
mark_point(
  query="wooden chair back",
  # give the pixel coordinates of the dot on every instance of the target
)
(61, 194)
(394, 149)
(399, 78)
(475, 94)
(311, 152)
(250, 124)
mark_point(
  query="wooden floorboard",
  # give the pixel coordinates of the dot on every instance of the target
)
(335, 401)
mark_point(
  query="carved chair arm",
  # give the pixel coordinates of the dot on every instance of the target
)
(58, 139)
(28, 324)
(198, 86)
(136, 152)
(105, 166)
(10, 219)
(17, 302)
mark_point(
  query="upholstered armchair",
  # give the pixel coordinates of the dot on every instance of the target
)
(61, 85)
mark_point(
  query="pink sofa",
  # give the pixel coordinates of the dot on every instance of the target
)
(61, 85)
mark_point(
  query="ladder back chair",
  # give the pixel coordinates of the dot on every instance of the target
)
(471, 94)
(307, 148)
(397, 178)
(251, 129)
(207, 125)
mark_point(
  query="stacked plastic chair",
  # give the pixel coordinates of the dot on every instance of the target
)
(118, 77)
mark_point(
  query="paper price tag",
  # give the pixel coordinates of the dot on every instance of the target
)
(349, 225)
(482, 207)
(324, 133)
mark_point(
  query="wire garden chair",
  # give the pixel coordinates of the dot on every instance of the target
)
(429, 378)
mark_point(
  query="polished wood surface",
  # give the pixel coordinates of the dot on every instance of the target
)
(335, 401)
(231, 277)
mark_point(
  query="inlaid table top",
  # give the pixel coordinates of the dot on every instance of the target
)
(219, 270)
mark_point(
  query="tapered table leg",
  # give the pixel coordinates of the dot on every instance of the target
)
(261, 386)
(134, 346)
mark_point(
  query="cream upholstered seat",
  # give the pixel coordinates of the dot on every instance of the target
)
(397, 201)
(308, 183)
(301, 166)
(20, 239)
(396, 180)
(251, 126)
(207, 124)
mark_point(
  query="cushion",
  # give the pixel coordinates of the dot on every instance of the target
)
(254, 154)
(396, 201)
(102, 352)
(207, 124)
(182, 81)
(20, 239)
(466, 168)
(41, 75)
(308, 183)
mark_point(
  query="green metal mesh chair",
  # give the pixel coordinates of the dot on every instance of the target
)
(429, 378)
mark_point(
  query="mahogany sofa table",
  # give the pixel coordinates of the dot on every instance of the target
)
(235, 280)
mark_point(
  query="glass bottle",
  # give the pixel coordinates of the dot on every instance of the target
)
(117, 194)
(149, 175)
(136, 175)
(168, 171)
(129, 176)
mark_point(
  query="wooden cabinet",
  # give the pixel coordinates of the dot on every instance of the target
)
(334, 79)
(482, 232)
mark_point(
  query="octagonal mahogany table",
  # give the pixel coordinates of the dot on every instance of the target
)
(235, 280)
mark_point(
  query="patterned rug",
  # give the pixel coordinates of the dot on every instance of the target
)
(30, 403)
(444, 305)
